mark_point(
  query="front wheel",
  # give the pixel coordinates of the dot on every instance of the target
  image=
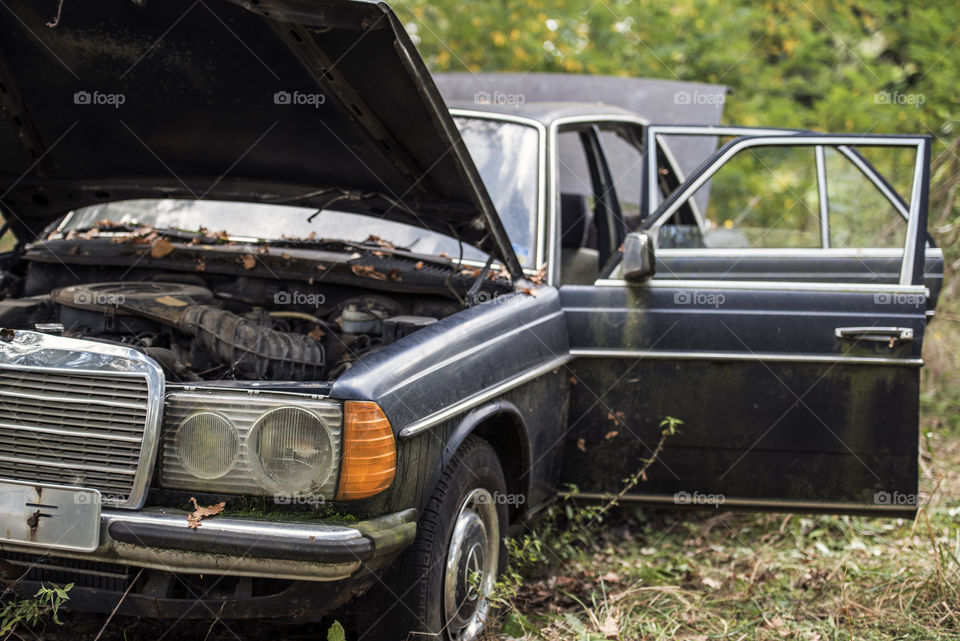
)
(444, 579)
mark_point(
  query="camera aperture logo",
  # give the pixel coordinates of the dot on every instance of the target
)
(699, 299)
(98, 98)
(300, 299)
(297, 98)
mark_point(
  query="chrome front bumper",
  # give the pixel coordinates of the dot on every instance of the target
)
(161, 540)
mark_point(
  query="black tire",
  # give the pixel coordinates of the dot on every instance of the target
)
(412, 603)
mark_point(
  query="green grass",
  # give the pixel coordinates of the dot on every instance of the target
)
(724, 575)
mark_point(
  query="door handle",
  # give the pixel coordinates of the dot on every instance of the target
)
(875, 334)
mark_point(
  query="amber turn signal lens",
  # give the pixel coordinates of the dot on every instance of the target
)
(369, 451)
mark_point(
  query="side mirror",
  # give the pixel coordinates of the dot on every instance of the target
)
(639, 262)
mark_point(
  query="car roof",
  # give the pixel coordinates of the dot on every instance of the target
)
(544, 112)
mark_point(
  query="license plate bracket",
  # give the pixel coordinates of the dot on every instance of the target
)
(49, 516)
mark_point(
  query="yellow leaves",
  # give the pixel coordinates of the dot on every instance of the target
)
(498, 38)
(520, 54)
(161, 248)
(200, 513)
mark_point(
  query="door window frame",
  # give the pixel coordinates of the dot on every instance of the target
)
(911, 268)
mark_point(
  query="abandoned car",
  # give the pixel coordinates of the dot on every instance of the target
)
(288, 321)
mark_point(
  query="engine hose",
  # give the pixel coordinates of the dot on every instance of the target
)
(252, 350)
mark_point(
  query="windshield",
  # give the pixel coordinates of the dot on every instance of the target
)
(262, 222)
(505, 153)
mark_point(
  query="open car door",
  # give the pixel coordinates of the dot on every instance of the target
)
(784, 326)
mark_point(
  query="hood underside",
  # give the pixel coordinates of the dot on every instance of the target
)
(323, 103)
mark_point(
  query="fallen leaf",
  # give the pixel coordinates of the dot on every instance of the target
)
(367, 271)
(581, 445)
(610, 628)
(201, 265)
(574, 381)
(611, 577)
(711, 583)
(419, 265)
(285, 256)
(200, 512)
(316, 333)
(395, 274)
(249, 262)
(161, 248)
(321, 268)
(611, 434)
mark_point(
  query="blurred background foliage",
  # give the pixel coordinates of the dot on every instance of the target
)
(884, 66)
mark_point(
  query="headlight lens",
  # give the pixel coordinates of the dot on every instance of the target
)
(207, 444)
(287, 445)
(291, 450)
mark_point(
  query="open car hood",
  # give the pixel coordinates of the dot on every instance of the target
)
(307, 102)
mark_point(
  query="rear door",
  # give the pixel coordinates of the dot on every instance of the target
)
(784, 327)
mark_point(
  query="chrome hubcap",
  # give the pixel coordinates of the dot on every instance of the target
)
(471, 570)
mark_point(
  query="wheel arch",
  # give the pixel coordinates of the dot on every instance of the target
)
(502, 425)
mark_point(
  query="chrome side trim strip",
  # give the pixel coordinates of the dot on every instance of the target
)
(771, 504)
(481, 397)
(847, 288)
(828, 252)
(744, 356)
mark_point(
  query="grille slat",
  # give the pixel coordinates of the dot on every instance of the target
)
(73, 429)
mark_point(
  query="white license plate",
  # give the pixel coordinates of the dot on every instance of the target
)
(63, 518)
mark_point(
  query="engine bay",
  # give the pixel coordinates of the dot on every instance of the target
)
(197, 333)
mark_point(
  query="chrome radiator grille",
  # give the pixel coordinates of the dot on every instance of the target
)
(92, 426)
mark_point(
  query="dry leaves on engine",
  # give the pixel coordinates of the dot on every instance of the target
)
(249, 262)
(161, 248)
(199, 513)
(367, 271)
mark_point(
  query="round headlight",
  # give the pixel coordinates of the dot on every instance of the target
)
(207, 444)
(291, 450)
